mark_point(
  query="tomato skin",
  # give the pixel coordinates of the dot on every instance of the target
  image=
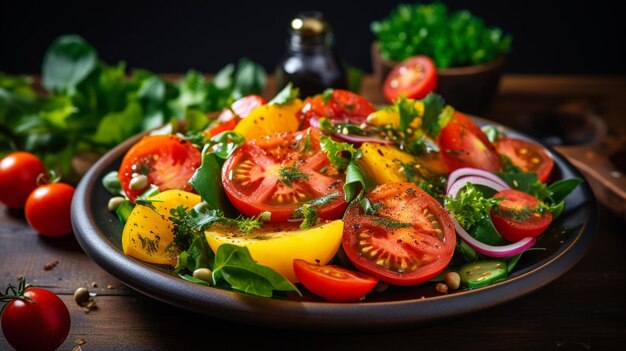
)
(221, 127)
(251, 180)
(512, 229)
(528, 156)
(342, 104)
(48, 209)
(463, 144)
(402, 255)
(18, 177)
(413, 78)
(40, 324)
(167, 160)
(333, 283)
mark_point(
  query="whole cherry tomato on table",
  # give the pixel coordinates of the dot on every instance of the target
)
(48, 209)
(34, 318)
(18, 177)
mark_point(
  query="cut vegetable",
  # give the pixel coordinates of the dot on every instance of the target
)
(480, 247)
(468, 171)
(482, 273)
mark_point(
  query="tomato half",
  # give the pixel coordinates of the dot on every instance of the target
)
(408, 241)
(528, 156)
(278, 173)
(340, 104)
(18, 177)
(517, 217)
(40, 321)
(167, 160)
(463, 144)
(48, 209)
(333, 283)
(413, 78)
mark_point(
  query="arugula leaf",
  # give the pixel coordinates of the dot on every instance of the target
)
(485, 232)
(563, 187)
(234, 265)
(525, 181)
(197, 255)
(285, 96)
(470, 207)
(355, 182)
(340, 154)
(206, 180)
(68, 61)
(435, 115)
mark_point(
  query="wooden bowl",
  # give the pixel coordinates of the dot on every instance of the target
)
(469, 89)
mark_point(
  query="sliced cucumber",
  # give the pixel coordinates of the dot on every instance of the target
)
(482, 273)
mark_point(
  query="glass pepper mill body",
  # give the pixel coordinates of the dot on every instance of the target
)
(310, 62)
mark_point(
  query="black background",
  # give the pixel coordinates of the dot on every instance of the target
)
(174, 36)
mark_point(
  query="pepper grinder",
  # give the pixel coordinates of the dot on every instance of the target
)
(310, 62)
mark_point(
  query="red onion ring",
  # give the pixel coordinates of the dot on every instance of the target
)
(480, 247)
(467, 171)
(358, 139)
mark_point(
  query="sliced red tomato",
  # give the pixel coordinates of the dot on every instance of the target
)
(463, 144)
(333, 283)
(408, 241)
(528, 156)
(220, 127)
(338, 104)
(167, 160)
(517, 216)
(413, 78)
(279, 173)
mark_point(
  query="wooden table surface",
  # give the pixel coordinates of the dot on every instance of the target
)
(583, 309)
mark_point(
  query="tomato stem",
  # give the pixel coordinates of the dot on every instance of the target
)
(12, 293)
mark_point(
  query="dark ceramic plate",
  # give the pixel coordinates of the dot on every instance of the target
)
(98, 232)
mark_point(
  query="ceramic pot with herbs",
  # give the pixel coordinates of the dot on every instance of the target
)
(469, 55)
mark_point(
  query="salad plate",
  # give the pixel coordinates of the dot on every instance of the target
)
(565, 242)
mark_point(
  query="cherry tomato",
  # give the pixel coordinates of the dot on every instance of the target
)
(333, 283)
(463, 144)
(517, 217)
(18, 177)
(242, 107)
(278, 173)
(167, 160)
(221, 127)
(414, 78)
(48, 209)
(339, 104)
(528, 156)
(409, 239)
(40, 321)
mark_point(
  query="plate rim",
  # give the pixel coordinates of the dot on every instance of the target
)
(290, 314)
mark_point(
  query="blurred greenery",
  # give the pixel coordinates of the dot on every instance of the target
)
(90, 106)
(451, 39)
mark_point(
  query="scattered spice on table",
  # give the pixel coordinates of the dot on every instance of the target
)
(51, 265)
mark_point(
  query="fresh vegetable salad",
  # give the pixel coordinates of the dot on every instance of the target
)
(336, 197)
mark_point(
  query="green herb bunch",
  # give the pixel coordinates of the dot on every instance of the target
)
(451, 39)
(89, 106)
